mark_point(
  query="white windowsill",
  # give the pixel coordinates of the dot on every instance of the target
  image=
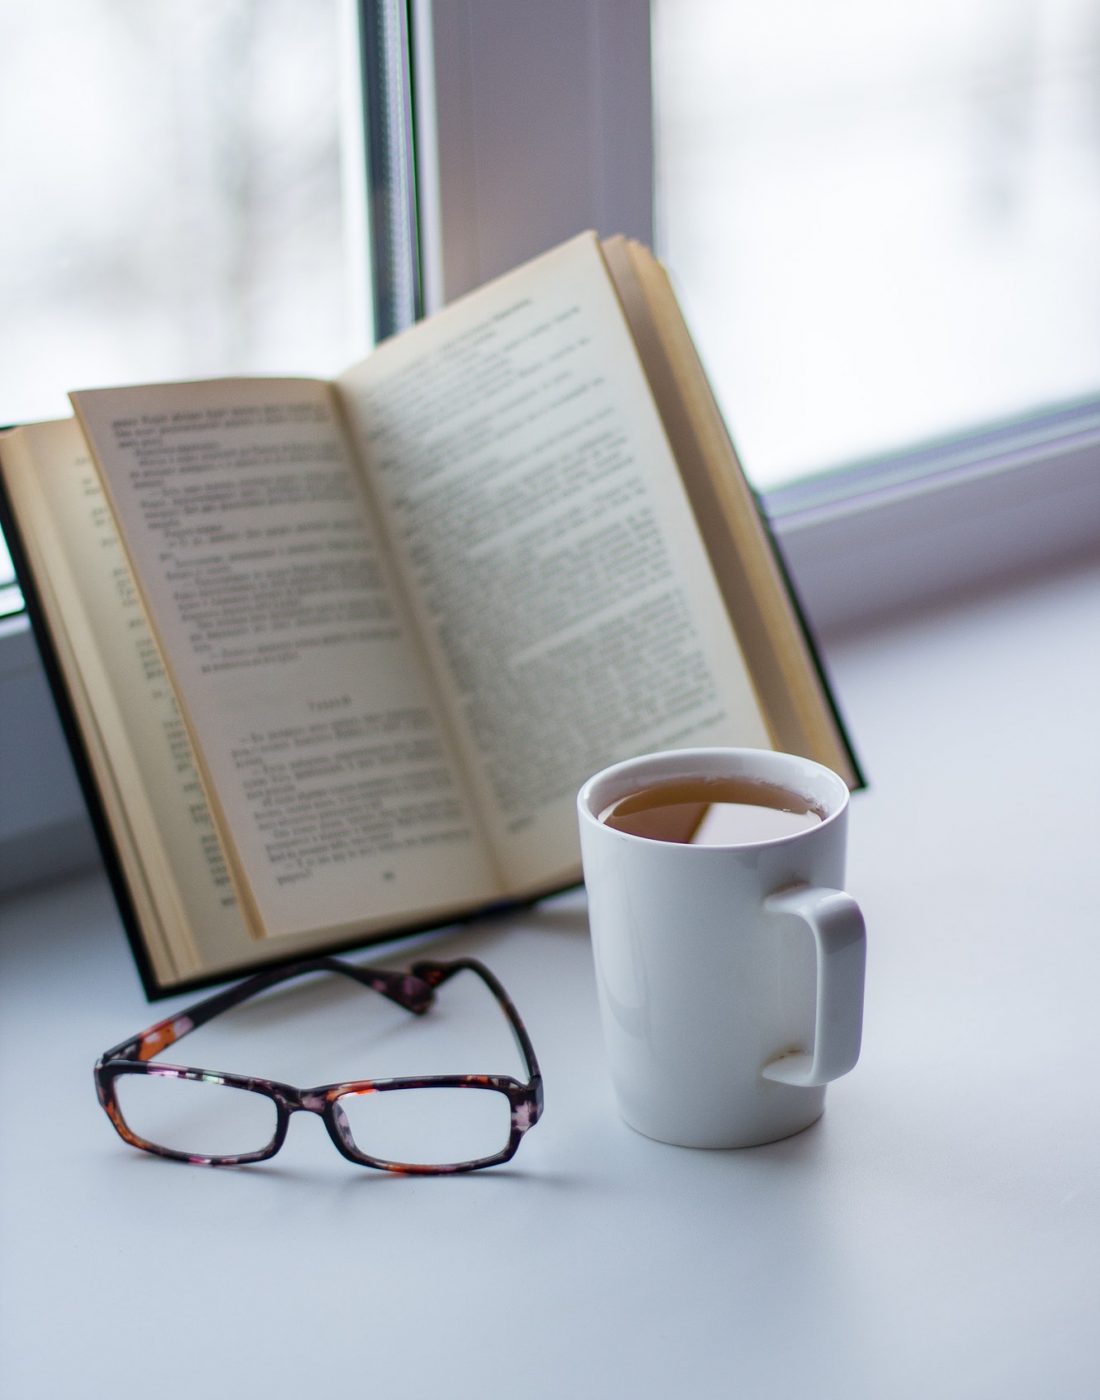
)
(933, 1235)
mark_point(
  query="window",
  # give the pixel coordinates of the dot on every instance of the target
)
(535, 120)
(191, 195)
(884, 220)
(190, 188)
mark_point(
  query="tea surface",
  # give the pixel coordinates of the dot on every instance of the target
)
(712, 812)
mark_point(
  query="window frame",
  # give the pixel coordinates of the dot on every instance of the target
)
(533, 121)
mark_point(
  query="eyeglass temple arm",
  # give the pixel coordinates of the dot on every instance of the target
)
(408, 990)
(436, 973)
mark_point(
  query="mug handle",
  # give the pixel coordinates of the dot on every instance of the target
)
(839, 934)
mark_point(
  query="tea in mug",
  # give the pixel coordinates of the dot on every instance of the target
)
(712, 812)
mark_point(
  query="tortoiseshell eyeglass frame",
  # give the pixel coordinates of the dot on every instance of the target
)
(414, 990)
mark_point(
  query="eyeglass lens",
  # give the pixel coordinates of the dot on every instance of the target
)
(200, 1118)
(428, 1126)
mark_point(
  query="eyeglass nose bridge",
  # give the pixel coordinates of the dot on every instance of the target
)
(303, 1100)
(329, 1111)
(311, 1101)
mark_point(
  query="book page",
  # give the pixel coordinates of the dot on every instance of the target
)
(313, 721)
(42, 462)
(784, 666)
(553, 560)
(131, 726)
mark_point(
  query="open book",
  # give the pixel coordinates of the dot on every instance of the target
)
(336, 656)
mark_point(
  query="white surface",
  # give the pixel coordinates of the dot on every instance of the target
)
(937, 1233)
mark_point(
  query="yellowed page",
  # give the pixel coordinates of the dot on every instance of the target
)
(793, 696)
(312, 718)
(126, 716)
(553, 561)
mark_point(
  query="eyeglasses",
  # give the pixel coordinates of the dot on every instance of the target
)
(427, 1125)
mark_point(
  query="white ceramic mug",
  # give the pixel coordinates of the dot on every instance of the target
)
(730, 977)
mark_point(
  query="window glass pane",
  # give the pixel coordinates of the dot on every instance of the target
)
(883, 220)
(183, 190)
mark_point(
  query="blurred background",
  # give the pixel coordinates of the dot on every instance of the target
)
(883, 220)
